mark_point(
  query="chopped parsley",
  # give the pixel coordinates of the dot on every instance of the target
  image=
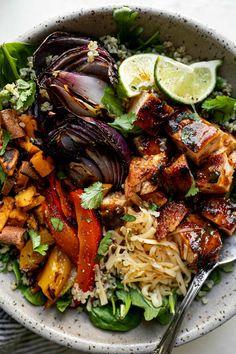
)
(125, 124)
(57, 224)
(153, 206)
(222, 108)
(36, 242)
(193, 190)
(92, 196)
(128, 217)
(104, 244)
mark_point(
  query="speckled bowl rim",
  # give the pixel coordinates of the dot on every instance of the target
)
(48, 331)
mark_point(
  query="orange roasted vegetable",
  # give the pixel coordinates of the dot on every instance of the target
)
(30, 125)
(42, 164)
(89, 235)
(65, 235)
(55, 274)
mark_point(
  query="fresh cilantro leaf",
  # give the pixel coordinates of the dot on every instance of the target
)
(63, 302)
(36, 243)
(112, 102)
(128, 217)
(92, 196)
(125, 124)
(192, 191)
(125, 19)
(57, 224)
(2, 175)
(104, 244)
(6, 138)
(223, 108)
(154, 206)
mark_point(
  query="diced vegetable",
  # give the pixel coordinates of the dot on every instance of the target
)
(42, 164)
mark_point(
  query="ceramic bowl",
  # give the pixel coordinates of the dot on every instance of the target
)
(75, 330)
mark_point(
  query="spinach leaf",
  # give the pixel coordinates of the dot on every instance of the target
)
(138, 300)
(13, 56)
(125, 297)
(6, 138)
(63, 302)
(37, 299)
(16, 270)
(103, 317)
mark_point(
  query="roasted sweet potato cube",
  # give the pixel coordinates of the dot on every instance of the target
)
(198, 139)
(221, 211)
(17, 218)
(25, 197)
(150, 145)
(30, 125)
(9, 160)
(5, 209)
(8, 185)
(151, 112)
(198, 241)
(29, 259)
(21, 179)
(143, 169)
(170, 217)
(178, 178)
(216, 174)
(42, 164)
(28, 146)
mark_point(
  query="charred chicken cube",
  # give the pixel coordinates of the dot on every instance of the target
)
(112, 208)
(177, 178)
(197, 138)
(151, 112)
(150, 145)
(227, 143)
(157, 197)
(170, 217)
(221, 211)
(198, 241)
(143, 169)
(216, 175)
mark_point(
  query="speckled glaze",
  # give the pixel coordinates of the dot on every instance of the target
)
(72, 329)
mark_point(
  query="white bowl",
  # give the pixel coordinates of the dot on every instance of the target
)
(75, 330)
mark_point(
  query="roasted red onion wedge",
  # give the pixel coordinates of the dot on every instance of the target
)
(92, 150)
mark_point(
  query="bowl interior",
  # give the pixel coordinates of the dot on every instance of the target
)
(73, 329)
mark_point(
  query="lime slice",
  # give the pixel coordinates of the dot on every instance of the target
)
(187, 84)
(136, 73)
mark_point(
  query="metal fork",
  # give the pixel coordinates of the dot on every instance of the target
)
(228, 254)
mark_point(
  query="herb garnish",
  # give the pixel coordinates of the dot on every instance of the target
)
(223, 108)
(6, 138)
(57, 224)
(125, 124)
(128, 217)
(104, 244)
(92, 196)
(36, 243)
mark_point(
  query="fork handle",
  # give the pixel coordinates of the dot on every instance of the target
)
(168, 340)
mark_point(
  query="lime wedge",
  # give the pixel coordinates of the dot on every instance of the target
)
(136, 73)
(187, 84)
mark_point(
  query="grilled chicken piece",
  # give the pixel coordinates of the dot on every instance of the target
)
(177, 178)
(156, 197)
(151, 112)
(216, 175)
(221, 211)
(198, 241)
(112, 208)
(9, 160)
(227, 143)
(170, 217)
(150, 145)
(143, 169)
(198, 139)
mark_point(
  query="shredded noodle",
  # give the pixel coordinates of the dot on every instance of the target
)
(139, 259)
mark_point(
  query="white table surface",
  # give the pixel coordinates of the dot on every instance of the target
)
(17, 16)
